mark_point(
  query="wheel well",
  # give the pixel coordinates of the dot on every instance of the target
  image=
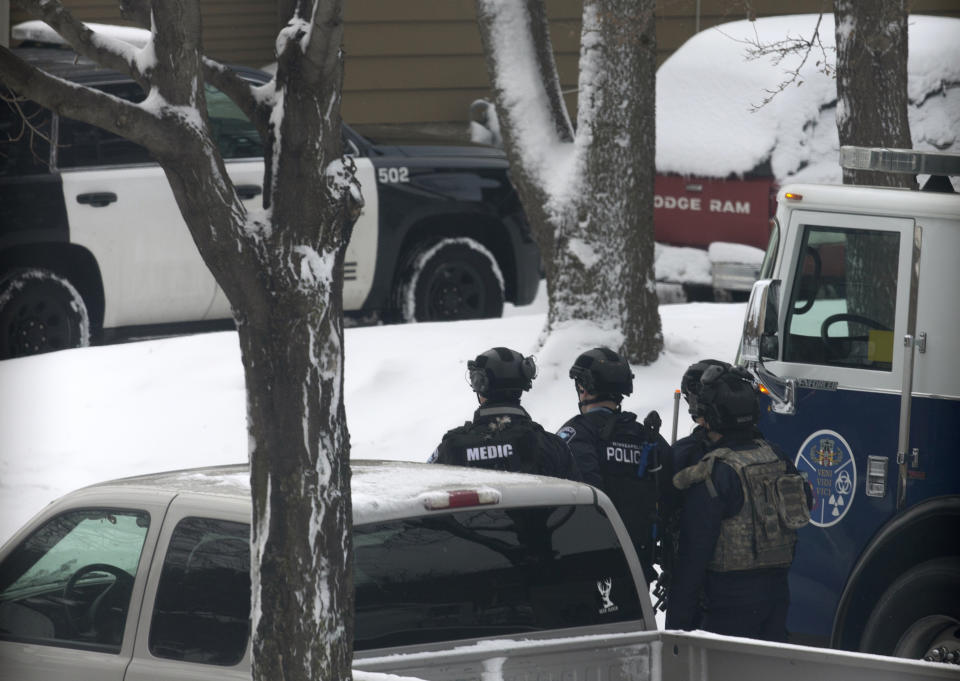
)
(484, 229)
(72, 262)
(906, 541)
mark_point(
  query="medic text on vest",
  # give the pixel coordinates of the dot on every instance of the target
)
(623, 453)
(491, 452)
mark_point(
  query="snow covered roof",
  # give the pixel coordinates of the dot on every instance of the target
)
(39, 31)
(706, 91)
(381, 489)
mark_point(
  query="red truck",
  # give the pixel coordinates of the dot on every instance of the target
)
(723, 216)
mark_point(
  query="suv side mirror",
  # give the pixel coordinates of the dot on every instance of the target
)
(761, 335)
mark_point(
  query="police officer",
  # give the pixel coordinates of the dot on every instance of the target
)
(614, 452)
(742, 504)
(690, 449)
(502, 435)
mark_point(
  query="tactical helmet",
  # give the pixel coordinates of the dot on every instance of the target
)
(501, 372)
(728, 399)
(690, 383)
(601, 371)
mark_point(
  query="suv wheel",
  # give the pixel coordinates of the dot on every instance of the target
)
(40, 312)
(451, 279)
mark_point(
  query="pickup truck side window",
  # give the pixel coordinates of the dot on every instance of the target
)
(485, 573)
(69, 583)
(202, 609)
(843, 301)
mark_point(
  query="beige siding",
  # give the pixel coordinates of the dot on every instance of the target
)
(420, 61)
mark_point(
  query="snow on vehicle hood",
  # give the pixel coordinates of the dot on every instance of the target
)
(706, 91)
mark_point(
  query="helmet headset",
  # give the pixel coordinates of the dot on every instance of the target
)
(602, 373)
(501, 374)
(728, 400)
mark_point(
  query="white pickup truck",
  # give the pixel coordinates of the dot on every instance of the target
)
(459, 574)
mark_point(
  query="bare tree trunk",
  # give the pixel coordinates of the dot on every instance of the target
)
(872, 82)
(588, 194)
(281, 268)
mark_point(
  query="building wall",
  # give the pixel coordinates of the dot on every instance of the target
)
(420, 61)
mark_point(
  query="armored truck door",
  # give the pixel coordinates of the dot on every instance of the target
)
(847, 289)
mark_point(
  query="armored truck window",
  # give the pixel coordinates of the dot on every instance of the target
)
(843, 306)
(69, 584)
(485, 573)
(202, 611)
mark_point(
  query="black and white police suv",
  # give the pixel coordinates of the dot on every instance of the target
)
(92, 244)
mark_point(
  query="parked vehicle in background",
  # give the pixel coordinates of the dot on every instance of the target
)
(92, 244)
(854, 333)
(459, 574)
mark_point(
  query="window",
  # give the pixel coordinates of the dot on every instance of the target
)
(770, 256)
(843, 306)
(486, 573)
(24, 137)
(82, 145)
(69, 583)
(202, 610)
(235, 136)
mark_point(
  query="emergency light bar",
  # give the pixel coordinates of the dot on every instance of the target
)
(460, 498)
(908, 161)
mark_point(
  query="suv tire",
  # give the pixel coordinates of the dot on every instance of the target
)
(451, 279)
(40, 312)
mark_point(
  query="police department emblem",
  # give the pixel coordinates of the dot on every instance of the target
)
(566, 433)
(825, 460)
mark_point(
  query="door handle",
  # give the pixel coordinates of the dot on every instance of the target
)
(97, 199)
(248, 191)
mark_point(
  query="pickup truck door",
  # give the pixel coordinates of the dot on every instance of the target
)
(194, 624)
(60, 618)
(847, 294)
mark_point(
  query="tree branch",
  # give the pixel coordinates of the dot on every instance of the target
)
(83, 103)
(106, 51)
(780, 50)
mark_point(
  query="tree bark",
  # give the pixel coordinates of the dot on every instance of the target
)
(872, 82)
(281, 269)
(588, 194)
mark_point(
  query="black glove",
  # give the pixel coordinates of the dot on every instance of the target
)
(652, 421)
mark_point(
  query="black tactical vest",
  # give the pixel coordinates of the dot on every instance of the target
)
(506, 444)
(628, 463)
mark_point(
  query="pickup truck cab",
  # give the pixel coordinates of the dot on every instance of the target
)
(147, 578)
(93, 246)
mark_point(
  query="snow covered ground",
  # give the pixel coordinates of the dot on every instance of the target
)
(76, 417)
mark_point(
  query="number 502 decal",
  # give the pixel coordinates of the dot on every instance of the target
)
(393, 175)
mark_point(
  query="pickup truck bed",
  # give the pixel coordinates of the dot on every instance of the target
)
(651, 656)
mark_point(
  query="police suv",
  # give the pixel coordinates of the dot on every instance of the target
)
(92, 244)
(854, 334)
